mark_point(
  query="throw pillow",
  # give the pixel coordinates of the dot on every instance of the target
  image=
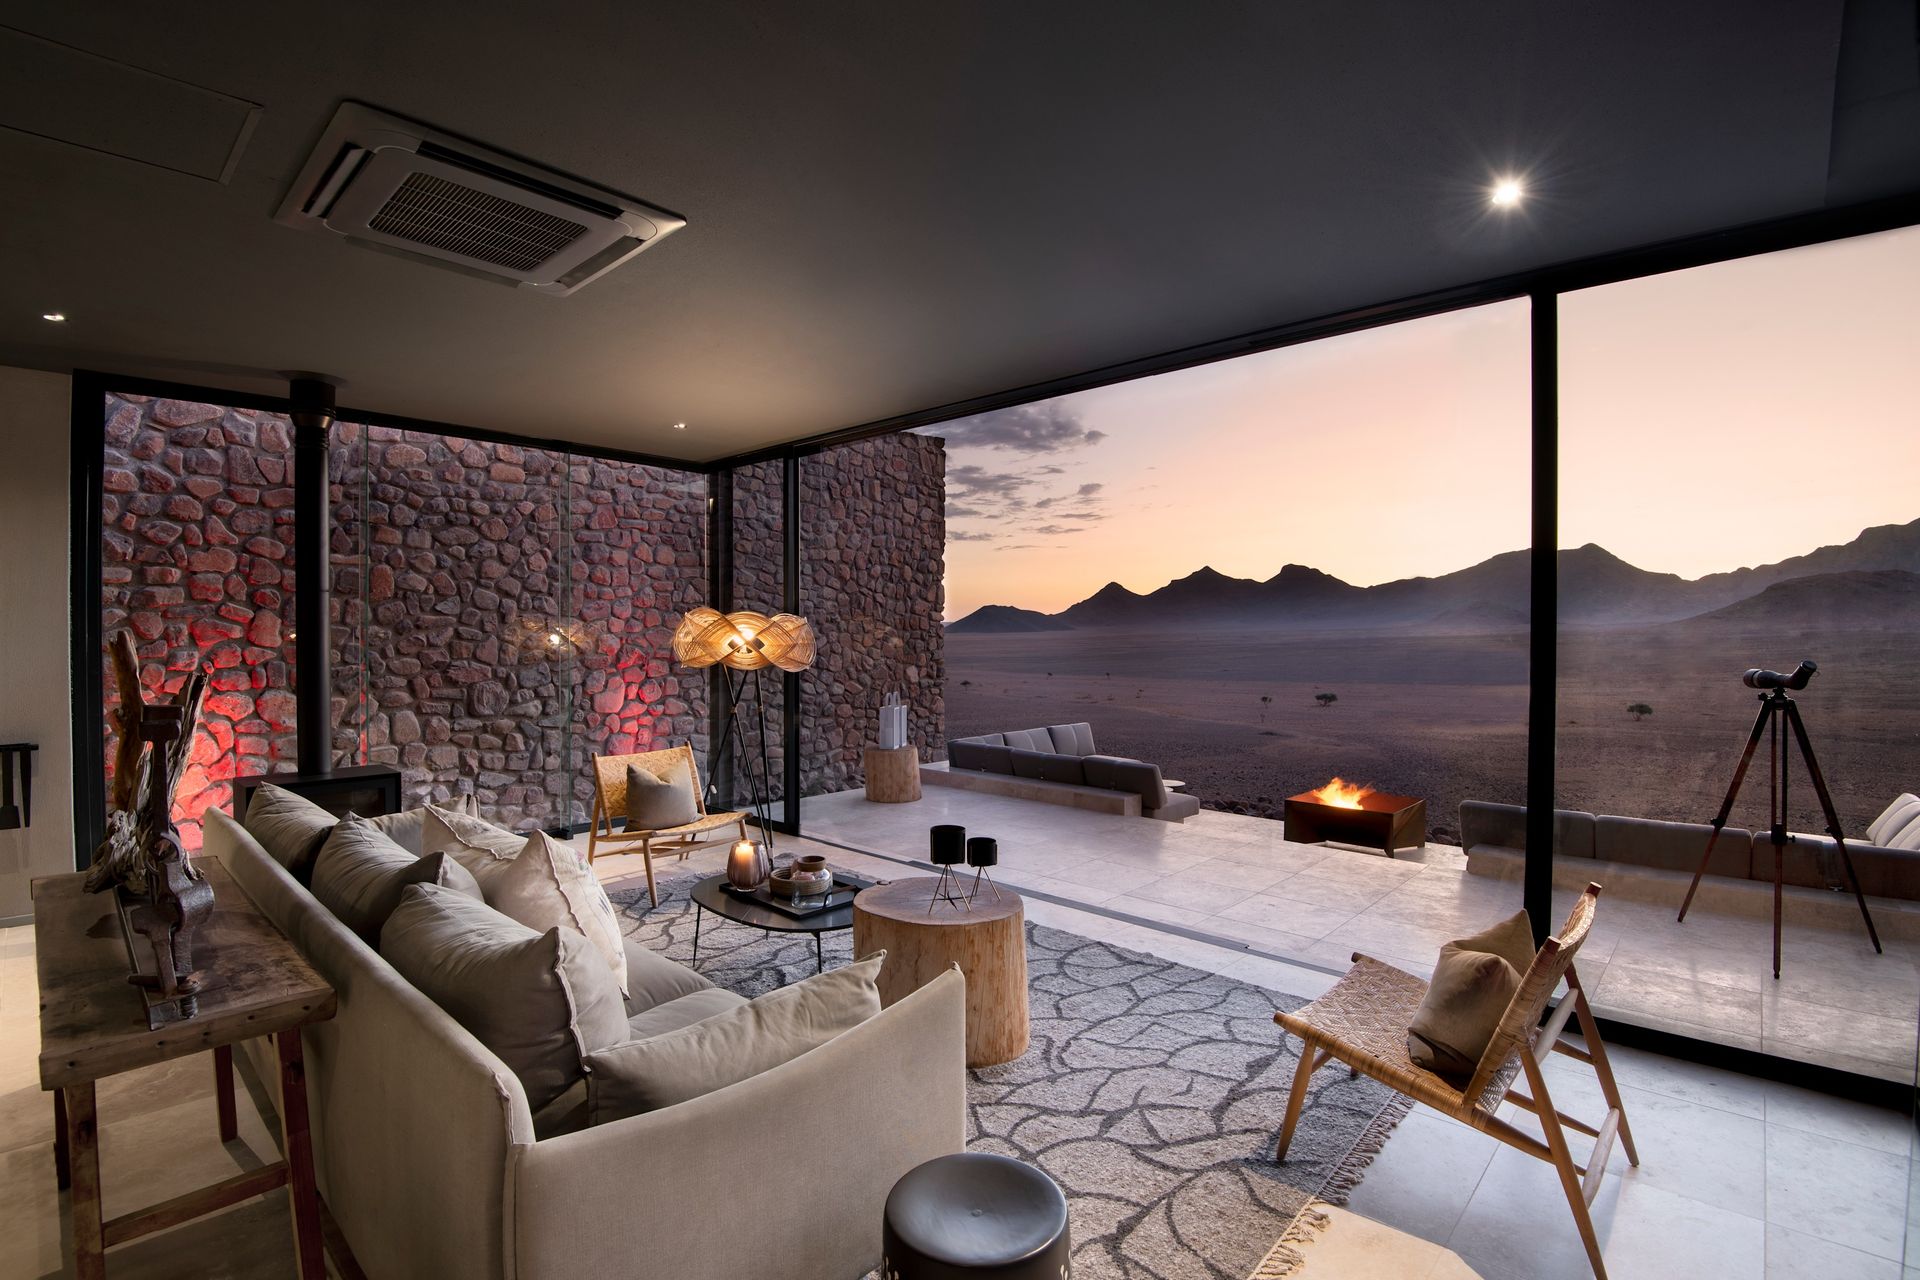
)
(539, 1001)
(290, 828)
(1473, 982)
(543, 883)
(450, 830)
(646, 1075)
(360, 874)
(1893, 819)
(655, 804)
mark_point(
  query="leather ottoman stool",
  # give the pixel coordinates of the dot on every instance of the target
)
(962, 1217)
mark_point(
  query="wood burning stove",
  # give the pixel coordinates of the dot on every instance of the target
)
(1361, 816)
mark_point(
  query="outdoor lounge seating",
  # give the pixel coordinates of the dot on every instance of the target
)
(1063, 755)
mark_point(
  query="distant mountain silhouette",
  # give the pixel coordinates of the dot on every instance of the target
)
(1859, 600)
(1004, 619)
(1597, 588)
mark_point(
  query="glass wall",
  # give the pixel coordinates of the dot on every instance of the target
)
(759, 585)
(1737, 448)
(197, 566)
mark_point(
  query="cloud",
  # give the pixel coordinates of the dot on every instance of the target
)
(1056, 529)
(1047, 427)
(1088, 490)
(972, 483)
(962, 535)
(957, 511)
(1017, 546)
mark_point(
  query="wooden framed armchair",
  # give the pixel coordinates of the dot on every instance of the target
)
(610, 803)
(1363, 1023)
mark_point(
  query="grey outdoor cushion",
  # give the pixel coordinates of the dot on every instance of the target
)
(1504, 826)
(1178, 808)
(979, 754)
(1072, 739)
(656, 804)
(1048, 767)
(1030, 740)
(1673, 846)
(1117, 773)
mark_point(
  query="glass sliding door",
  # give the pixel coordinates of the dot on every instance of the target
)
(1737, 445)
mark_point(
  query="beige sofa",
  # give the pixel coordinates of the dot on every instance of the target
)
(427, 1157)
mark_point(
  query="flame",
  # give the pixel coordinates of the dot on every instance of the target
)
(1341, 795)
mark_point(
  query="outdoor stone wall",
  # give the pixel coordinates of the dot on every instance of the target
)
(197, 561)
(501, 613)
(872, 562)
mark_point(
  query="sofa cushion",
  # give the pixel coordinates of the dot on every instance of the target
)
(1178, 808)
(1473, 983)
(1504, 827)
(1117, 773)
(452, 831)
(407, 828)
(1904, 809)
(289, 827)
(541, 1002)
(1030, 740)
(1048, 767)
(683, 1012)
(723, 1049)
(1072, 739)
(1905, 838)
(544, 884)
(360, 874)
(656, 804)
(1672, 846)
(988, 757)
(652, 979)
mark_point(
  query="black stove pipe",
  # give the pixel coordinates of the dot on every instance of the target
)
(312, 417)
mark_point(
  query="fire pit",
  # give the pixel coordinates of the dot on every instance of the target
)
(1354, 815)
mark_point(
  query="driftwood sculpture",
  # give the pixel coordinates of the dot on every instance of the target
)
(163, 897)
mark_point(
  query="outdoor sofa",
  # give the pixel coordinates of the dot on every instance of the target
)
(1064, 754)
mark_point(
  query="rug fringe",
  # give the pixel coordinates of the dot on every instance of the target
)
(1286, 1258)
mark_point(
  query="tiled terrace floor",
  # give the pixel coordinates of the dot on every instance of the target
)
(1234, 878)
(1740, 1179)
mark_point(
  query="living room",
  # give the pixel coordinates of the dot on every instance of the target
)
(695, 595)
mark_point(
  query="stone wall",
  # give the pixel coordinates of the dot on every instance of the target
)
(872, 562)
(197, 559)
(501, 613)
(759, 583)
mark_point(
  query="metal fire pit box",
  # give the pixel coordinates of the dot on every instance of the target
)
(1384, 822)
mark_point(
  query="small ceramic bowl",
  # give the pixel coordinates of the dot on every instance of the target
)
(789, 885)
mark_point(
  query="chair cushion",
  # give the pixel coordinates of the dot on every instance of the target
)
(655, 803)
(545, 884)
(1892, 819)
(360, 874)
(1048, 767)
(1473, 982)
(728, 1047)
(1072, 739)
(289, 827)
(540, 1002)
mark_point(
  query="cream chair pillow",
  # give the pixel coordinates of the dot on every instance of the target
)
(646, 1075)
(539, 1001)
(543, 883)
(1473, 982)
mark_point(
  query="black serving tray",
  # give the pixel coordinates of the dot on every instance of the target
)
(845, 889)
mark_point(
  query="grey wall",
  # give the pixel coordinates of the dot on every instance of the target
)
(34, 623)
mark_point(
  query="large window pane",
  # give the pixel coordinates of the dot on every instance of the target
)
(1737, 447)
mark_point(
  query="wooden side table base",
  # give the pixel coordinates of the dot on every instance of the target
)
(988, 941)
(893, 774)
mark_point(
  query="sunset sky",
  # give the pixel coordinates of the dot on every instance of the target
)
(1731, 415)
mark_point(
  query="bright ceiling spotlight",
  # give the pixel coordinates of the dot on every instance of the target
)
(54, 317)
(679, 426)
(1506, 193)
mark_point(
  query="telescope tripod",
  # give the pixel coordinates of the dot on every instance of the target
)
(1775, 706)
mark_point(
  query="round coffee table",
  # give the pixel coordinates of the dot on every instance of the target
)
(922, 939)
(709, 896)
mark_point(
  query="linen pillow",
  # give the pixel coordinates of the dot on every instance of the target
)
(449, 830)
(1473, 982)
(543, 883)
(360, 874)
(646, 1075)
(539, 1001)
(407, 827)
(655, 804)
(290, 828)
(1893, 819)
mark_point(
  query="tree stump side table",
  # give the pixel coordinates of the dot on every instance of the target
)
(989, 943)
(893, 774)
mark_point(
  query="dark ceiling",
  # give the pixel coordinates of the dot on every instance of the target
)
(894, 206)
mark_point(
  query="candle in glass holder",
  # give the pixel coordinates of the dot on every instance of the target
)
(747, 865)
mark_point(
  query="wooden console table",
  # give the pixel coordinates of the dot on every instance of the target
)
(93, 1025)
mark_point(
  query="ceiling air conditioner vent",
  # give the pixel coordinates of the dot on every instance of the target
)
(391, 184)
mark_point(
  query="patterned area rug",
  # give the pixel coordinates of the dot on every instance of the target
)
(1152, 1094)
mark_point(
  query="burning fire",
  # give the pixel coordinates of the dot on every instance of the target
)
(1341, 795)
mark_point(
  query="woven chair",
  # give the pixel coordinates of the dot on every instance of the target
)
(1363, 1023)
(610, 802)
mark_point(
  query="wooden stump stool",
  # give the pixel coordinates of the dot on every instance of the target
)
(893, 774)
(989, 943)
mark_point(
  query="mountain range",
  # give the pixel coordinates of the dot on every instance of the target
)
(1872, 581)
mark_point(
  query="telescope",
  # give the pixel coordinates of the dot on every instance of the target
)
(1756, 678)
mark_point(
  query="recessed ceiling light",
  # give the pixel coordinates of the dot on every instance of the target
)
(679, 426)
(57, 317)
(1506, 193)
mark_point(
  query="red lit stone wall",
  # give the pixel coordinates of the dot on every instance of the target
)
(197, 557)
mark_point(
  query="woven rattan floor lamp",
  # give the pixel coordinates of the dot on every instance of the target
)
(747, 643)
